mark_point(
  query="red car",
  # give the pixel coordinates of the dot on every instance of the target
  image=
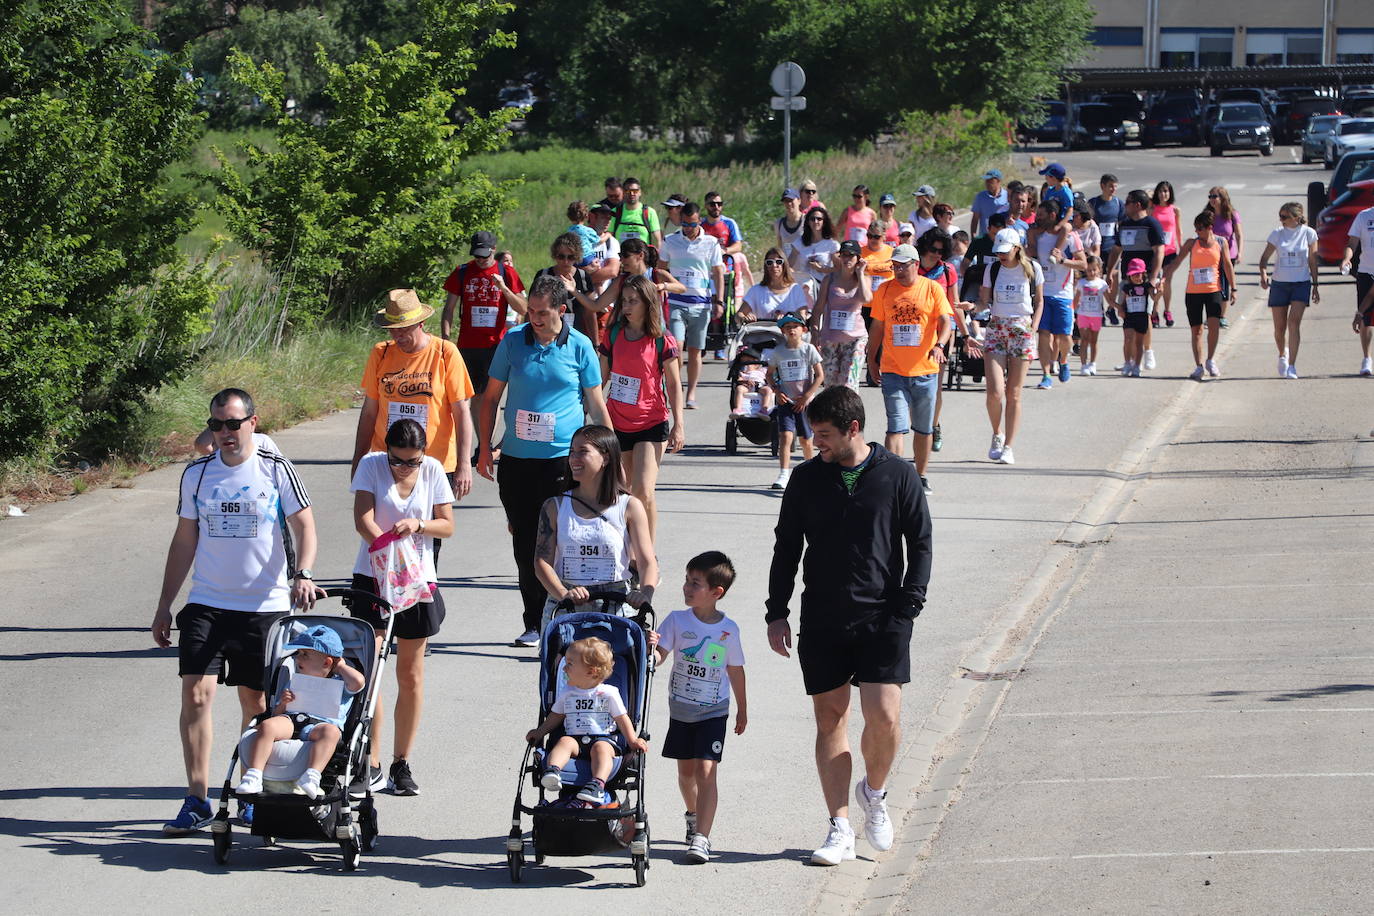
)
(1333, 225)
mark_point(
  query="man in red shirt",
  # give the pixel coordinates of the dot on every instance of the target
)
(483, 289)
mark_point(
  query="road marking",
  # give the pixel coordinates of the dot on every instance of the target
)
(1093, 779)
(1247, 659)
(1085, 714)
(1134, 621)
(1240, 186)
(1275, 187)
(1192, 854)
(1194, 186)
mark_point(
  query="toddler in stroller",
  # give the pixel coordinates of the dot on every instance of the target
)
(319, 654)
(753, 396)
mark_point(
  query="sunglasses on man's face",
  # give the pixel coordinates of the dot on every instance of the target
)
(715, 203)
(233, 424)
(404, 462)
(690, 225)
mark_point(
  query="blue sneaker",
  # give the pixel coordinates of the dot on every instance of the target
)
(246, 814)
(195, 813)
(1045, 382)
(1064, 375)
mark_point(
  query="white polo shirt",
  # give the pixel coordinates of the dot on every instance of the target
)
(1362, 228)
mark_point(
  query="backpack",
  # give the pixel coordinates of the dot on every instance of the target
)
(618, 219)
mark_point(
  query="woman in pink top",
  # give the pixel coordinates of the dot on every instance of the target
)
(1163, 209)
(640, 365)
(887, 212)
(1225, 226)
(856, 217)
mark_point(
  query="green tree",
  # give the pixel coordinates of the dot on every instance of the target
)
(96, 307)
(371, 198)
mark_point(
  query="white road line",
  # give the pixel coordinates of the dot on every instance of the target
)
(1305, 621)
(1293, 153)
(1246, 659)
(1238, 186)
(1095, 779)
(1086, 714)
(1193, 854)
(1275, 187)
(1193, 186)
(1248, 585)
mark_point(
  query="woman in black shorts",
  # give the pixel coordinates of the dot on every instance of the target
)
(639, 361)
(402, 490)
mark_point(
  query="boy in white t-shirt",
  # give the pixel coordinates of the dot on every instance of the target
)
(708, 663)
(591, 713)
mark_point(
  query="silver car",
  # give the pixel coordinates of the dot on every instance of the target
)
(1349, 135)
(1314, 137)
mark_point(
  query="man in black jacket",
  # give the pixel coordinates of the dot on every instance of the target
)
(855, 510)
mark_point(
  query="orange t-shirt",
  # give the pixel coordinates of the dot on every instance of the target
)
(878, 263)
(1204, 268)
(421, 386)
(911, 325)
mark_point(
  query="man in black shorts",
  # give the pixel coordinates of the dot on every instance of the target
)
(235, 505)
(854, 510)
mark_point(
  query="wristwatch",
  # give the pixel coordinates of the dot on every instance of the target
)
(305, 574)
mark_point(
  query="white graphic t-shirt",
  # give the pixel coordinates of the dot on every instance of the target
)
(699, 688)
(589, 712)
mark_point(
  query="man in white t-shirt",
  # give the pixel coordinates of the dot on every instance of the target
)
(1361, 240)
(605, 265)
(235, 505)
(694, 258)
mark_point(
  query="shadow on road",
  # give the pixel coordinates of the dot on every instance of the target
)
(1309, 693)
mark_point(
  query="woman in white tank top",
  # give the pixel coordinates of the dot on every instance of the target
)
(589, 536)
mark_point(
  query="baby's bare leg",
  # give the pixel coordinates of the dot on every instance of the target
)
(270, 731)
(603, 758)
(564, 749)
(323, 738)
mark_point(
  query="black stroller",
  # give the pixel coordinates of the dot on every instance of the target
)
(561, 825)
(960, 365)
(279, 812)
(750, 347)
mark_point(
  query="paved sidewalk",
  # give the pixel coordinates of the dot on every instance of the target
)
(1192, 732)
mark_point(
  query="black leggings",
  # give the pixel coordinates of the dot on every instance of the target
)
(524, 484)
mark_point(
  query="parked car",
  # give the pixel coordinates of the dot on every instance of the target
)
(1333, 223)
(1172, 120)
(1358, 102)
(1348, 136)
(1127, 106)
(1254, 96)
(1353, 167)
(1241, 125)
(1290, 126)
(1051, 129)
(1096, 124)
(1314, 137)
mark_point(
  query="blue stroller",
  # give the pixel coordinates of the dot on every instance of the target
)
(561, 825)
(279, 811)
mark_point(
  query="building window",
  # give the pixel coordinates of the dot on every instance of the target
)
(1277, 47)
(1355, 46)
(1181, 48)
(1118, 37)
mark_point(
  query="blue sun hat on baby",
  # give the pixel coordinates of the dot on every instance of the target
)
(320, 638)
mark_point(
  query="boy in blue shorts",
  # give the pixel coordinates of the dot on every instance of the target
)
(708, 662)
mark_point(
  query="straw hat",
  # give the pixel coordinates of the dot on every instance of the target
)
(403, 309)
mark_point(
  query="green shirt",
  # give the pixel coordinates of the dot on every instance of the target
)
(639, 223)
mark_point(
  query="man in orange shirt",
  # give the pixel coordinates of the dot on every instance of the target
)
(420, 377)
(912, 320)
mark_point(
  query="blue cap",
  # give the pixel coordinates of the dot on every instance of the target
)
(886, 199)
(320, 638)
(789, 318)
(1054, 170)
(790, 194)
(992, 173)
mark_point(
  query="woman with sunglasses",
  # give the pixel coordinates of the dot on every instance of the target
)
(1294, 284)
(566, 251)
(1226, 226)
(402, 491)
(838, 321)
(779, 293)
(812, 256)
(857, 217)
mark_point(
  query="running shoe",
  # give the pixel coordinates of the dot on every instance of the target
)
(691, 820)
(1007, 457)
(402, 782)
(369, 777)
(250, 784)
(1168, 318)
(1149, 361)
(691, 403)
(1196, 374)
(1292, 371)
(1283, 366)
(551, 780)
(995, 450)
(1366, 367)
(1125, 368)
(1045, 382)
(1224, 323)
(526, 640)
(1064, 374)
(783, 476)
(926, 487)
(195, 813)
(838, 846)
(1212, 368)
(309, 783)
(1135, 371)
(699, 851)
(1085, 370)
(937, 439)
(877, 825)
(1112, 319)
(720, 354)
(1154, 319)
(593, 792)
(245, 814)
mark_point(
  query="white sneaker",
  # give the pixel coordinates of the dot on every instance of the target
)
(251, 784)
(838, 846)
(1292, 371)
(784, 475)
(1125, 368)
(1135, 370)
(1086, 370)
(1007, 457)
(995, 450)
(699, 850)
(877, 825)
(1283, 366)
(1196, 374)
(1212, 369)
(1149, 359)
(1366, 366)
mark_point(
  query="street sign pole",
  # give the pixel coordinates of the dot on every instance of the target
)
(787, 80)
(787, 147)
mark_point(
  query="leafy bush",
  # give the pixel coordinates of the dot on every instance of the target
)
(371, 198)
(96, 307)
(957, 135)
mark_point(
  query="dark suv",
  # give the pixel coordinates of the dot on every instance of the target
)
(1299, 113)
(1241, 125)
(1173, 120)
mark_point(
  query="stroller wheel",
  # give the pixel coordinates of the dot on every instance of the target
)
(731, 438)
(641, 864)
(516, 861)
(269, 841)
(367, 824)
(351, 854)
(223, 840)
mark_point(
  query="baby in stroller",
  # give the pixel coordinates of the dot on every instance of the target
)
(318, 653)
(593, 717)
(752, 379)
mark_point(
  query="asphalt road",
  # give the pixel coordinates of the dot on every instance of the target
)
(1141, 562)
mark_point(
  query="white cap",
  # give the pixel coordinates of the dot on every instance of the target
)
(1006, 240)
(906, 229)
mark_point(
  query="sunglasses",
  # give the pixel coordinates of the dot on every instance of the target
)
(875, 235)
(816, 219)
(773, 262)
(404, 462)
(690, 225)
(217, 425)
(858, 197)
(939, 251)
(631, 190)
(565, 257)
(1214, 197)
(715, 203)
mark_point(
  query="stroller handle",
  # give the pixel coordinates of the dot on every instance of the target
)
(358, 593)
(645, 618)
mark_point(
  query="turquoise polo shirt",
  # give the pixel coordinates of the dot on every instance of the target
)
(544, 385)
